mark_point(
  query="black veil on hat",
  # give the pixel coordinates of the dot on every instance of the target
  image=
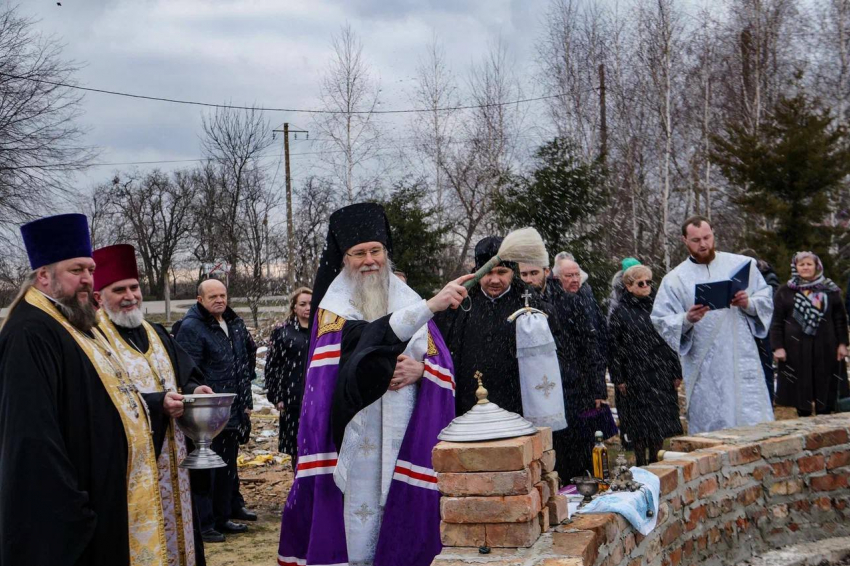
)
(348, 227)
(485, 249)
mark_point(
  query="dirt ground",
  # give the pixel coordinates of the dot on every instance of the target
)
(265, 488)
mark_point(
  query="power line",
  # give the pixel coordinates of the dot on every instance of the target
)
(265, 109)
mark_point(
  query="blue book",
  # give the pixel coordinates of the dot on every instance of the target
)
(719, 294)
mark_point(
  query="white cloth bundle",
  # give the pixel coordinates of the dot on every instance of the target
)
(539, 373)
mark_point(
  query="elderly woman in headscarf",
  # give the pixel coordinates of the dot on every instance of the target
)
(809, 337)
(285, 368)
(645, 370)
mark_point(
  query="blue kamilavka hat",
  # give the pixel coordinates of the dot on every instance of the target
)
(56, 238)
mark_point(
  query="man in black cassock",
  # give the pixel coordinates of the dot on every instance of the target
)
(70, 420)
(480, 337)
(582, 388)
(141, 346)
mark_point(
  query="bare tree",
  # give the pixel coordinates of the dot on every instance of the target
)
(235, 140)
(153, 212)
(350, 131)
(40, 143)
(660, 31)
(314, 204)
(435, 91)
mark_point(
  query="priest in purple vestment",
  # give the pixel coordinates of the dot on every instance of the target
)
(379, 388)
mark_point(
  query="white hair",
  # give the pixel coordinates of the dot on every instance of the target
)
(370, 294)
(132, 319)
(561, 256)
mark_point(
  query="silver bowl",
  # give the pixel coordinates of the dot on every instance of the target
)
(586, 486)
(204, 416)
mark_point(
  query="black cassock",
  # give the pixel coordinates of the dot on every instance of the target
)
(482, 339)
(63, 451)
(368, 356)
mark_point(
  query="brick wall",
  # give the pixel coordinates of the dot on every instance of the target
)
(736, 493)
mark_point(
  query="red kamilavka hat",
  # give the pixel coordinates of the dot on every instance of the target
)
(114, 263)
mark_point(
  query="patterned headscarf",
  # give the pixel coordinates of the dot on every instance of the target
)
(811, 299)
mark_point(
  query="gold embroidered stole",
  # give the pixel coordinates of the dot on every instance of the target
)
(147, 535)
(152, 372)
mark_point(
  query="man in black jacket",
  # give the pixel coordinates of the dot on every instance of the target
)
(217, 339)
(584, 388)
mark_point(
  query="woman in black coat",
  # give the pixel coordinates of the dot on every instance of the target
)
(285, 369)
(645, 370)
(809, 337)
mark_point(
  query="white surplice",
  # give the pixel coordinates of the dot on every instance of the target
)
(373, 438)
(724, 379)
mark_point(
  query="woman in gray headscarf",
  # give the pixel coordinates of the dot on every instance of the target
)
(809, 338)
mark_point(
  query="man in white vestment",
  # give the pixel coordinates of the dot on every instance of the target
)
(724, 379)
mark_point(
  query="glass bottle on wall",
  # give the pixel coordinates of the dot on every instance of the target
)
(601, 470)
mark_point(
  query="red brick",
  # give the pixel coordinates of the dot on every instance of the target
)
(543, 517)
(822, 439)
(714, 535)
(762, 472)
(536, 469)
(508, 509)
(691, 443)
(749, 495)
(554, 482)
(669, 477)
(546, 436)
(803, 505)
(675, 557)
(673, 532)
(492, 456)
(744, 454)
(743, 524)
(689, 548)
(485, 483)
(782, 469)
(616, 553)
(735, 480)
(548, 461)
(707, 487)
(452, 534)
(690, 468)
(629, 543)
(558, 512)
(838, 459)
(694, 517)
(536, 446)
(575, 544)
(596, 523)
(829, 482)
(786, 487)
(543, 488)
(709, 461)
(823, 503)
(809, 464)
(513, 535)
(782, 446)
(702, 542)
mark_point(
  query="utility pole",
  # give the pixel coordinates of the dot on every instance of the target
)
(603, 121)
(290, 232)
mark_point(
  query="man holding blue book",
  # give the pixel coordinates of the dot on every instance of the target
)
(710, 309)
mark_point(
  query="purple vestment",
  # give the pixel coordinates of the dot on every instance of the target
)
(312, 526)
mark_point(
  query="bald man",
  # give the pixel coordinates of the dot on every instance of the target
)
(216, 338)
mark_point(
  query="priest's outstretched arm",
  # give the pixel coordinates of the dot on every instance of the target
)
(370, 350)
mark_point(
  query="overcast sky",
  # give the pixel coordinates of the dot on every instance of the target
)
(266, 52)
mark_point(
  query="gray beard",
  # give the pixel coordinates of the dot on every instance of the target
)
(132, 319)
(370, 293)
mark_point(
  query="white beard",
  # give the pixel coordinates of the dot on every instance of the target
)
(370, 293)
(132, 319)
